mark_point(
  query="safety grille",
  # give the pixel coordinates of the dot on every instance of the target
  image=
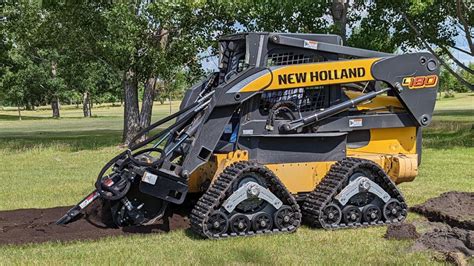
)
(281, 59)
(306, 99)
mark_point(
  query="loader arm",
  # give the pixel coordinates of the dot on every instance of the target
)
(412, 78)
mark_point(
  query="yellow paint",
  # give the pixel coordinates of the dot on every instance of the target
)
(389, 141)
(394, 149)
(300, 177)
(399, 167)
(311, 72)
(378, 102)
(213, 168)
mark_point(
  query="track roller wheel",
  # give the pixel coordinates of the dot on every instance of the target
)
(240, 223)
(351, 214)
(285, 218)
(218, 223)
(371, 213)
(262, 222)
(393, 211)
(331, 215)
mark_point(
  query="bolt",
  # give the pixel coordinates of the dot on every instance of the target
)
(286, 218)
(241, 225)
(263, 223)
(253, 190)
(353, 216)
(331, 215)
(373, 215)
(394, 211)
(216, 224)
(364, 185)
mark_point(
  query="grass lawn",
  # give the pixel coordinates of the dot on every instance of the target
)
(50, 162)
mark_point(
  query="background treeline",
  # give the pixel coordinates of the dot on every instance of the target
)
(138, 52)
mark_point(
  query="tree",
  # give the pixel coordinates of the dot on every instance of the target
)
(432, 25)
(34, 59)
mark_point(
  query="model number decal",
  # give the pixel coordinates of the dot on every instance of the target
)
(420, 82)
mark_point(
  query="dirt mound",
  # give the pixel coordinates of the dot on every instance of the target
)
(401, 232)
(447, 240)
(38, 225)
(453, 208)
(448, 228)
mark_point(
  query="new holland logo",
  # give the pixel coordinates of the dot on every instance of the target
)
(420, 82)
(323, 75)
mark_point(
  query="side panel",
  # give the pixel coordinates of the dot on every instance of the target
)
(388, 141)
(267, 149)
(301, 177)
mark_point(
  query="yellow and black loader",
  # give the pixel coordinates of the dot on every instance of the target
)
(292, 128)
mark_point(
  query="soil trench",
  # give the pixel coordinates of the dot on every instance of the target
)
(38, 225)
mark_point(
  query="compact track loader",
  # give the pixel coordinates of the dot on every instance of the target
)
(293, 127)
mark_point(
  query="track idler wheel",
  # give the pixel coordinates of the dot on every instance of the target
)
(393, 211)
(351, 215)
(240, 223)
(262, 222)
(285, 218)
(218, 223)
(371, 213)
(331, 215)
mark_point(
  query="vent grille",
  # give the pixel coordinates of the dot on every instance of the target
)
(290, 58)
(306, 99)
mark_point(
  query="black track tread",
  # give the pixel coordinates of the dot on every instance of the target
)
(220, 189)
(334, 182)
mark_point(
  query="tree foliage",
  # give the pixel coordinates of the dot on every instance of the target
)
(140, 51)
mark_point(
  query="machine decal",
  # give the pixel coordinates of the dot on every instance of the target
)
(311, 44)
(420, 82)
(315, 74)
(149, 178)
(357, 122)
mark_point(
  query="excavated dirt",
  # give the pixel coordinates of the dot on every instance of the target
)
(446, 239)
(448, 228)
(401, 232)
(38, 225)
(453, 208)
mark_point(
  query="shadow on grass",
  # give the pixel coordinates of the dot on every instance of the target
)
(449, 134)
(454, 113)
(65, 140)
(15, 117)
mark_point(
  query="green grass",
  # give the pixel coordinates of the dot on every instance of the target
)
(49, 162)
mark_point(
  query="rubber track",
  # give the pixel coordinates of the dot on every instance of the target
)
(221, 189)
(333, 183)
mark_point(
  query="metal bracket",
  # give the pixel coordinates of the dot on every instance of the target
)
(251, 190)
(361, 184)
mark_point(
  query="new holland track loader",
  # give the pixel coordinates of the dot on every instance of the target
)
(292, 127)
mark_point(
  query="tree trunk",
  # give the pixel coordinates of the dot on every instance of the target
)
(55, 107)
(131, 121)
(29, 106)
(339, 15)
(147, 104)
(86, 104)
(171, 111)
(19, 112)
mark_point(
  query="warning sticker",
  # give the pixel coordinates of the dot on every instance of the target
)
(149, 178)
(355, 122)
(310, 44)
